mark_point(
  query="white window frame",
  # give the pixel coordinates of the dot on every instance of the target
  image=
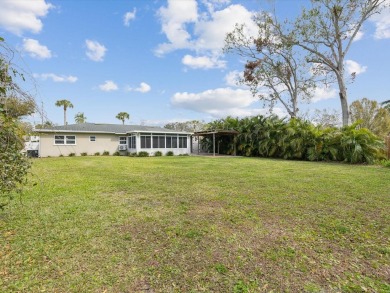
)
(132, 141)
(66, 139)
(123, 140)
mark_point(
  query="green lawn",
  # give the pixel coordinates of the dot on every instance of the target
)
(197, 224)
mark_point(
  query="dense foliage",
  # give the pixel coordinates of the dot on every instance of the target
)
(13, 164)
(14, 103)
(372, 116)
(190, 126)
(297, 139)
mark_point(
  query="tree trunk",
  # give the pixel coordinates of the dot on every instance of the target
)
(343, 100)
(64, 116)
(344, 109)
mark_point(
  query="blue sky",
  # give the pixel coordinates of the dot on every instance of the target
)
(160, 61)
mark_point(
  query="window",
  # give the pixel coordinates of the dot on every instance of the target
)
(155, 142)
(161, 141)
(70, 139)
(65, 139)
(59, 139)
(158, 141)
(183, 142)
(169, 142)
(174, 142)
(146, 141)
(122, 140)
(132, 141)
(92, 138)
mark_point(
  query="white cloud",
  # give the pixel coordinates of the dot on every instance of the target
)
(209, 28)
(56, 78)
(323, 93)
(17, 16)
(143, 88)
(211, 32)
(382, 23)
(203, 62)
(359, 36)
(108, 86)
(35, 49)
(354, 67)
(217, 102)
(174, 18)
(129, 16)
(95, 50)
(211, 5)
(233, 77)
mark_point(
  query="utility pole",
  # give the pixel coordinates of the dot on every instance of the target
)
(42, 113)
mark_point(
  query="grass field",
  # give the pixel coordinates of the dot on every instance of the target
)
(197, 224)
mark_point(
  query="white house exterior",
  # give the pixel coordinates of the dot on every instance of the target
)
(91, 138)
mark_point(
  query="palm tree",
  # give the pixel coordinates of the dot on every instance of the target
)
(123, 116)
(386, 105)
(80, 118)
(66, 104)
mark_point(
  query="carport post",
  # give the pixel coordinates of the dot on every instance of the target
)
(213, 144)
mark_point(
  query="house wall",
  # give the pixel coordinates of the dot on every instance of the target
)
(104, 142)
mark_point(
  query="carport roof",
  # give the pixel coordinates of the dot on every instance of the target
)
(216, 132)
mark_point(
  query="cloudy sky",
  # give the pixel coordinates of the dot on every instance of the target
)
(161, 61)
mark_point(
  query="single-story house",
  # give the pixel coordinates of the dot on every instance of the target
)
(94, 138)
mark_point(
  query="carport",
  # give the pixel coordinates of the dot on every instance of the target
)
(214, 135)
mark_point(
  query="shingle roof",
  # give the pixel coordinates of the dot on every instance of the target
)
(107, 128)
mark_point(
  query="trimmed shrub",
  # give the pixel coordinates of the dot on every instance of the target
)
(116, 153)
(106, 153)
(143, 154)
(170, 153)
(97, 154)
(84, 154)
(158, 154)
(72, 155)
(132, 154)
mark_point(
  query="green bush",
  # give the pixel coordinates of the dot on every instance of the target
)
(116, 153)
(106, 153)
(158, 154)
(132, 154)
(14, 166)
(359, 145)
(143, 154)
(97, 154)
(296, 139)
(84, 154)
(384, 163)
(72, 155)
(170, 153)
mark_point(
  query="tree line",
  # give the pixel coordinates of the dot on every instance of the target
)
(296, 139)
